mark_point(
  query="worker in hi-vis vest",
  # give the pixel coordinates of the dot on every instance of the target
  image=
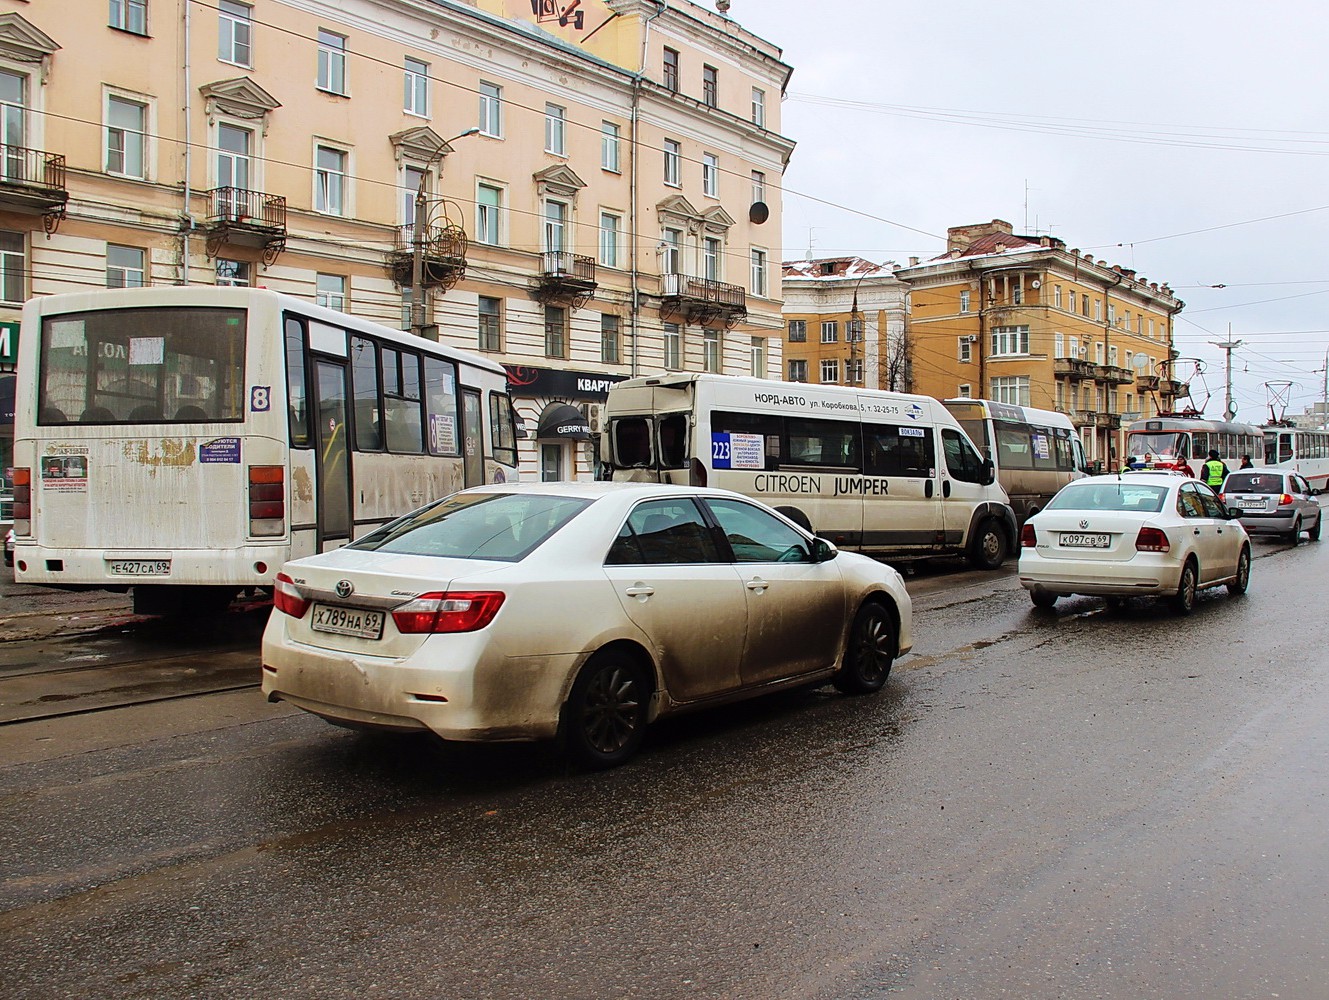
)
(1213, 472)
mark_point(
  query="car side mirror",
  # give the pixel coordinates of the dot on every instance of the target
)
(823, 551)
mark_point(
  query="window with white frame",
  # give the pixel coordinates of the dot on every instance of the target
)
(415, 87)
(491, 110)
(610, 223)
(235, 33)
(965, 350)
(798, 331)
(710, 175)
(556, 130)
(712, 259)
(555, 225)
(126, 137)
(233, 273)
(830, 331)
(488, 214)
(1098, 310)
(126, 267)
(964, 300)
(758, 186)
(757, 356)
(412, 181)
(610, 147)
(609, 339)
(1098, 352)
(1084, 304)
(673, 163)
(1112, 355)
(671, 254)
(129, 15)
(1112, 314)
(853, 330)
(830, 371)
(1058, 345)
(758, 107)
(798, 369)
(1008, 340)
(234, 159)
(329, 180)
(13, 267)
(331, 62)
(673, 347)
(710, 350)
(556, 332)
(330, 291)
(853, 371)
(1074, 348)
(759, 272)
(489, 317)
(1056, 296)
(1013, 389)
(966, 391)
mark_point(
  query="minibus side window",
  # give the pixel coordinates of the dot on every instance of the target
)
(962, 462)
(673, 441)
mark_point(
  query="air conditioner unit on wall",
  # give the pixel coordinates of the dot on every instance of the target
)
(593, 416)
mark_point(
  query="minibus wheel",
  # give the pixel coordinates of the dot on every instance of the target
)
(988, 548)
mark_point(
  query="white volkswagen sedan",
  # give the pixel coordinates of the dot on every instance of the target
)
(580, 611)
(1143, 533)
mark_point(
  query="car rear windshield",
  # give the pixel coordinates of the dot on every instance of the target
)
(502, 526)
(1139, 497)
(1254, 482)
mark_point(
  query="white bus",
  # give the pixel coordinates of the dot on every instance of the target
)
(881, 472)
(186, 441)
(1036, 452)
(1302, 450)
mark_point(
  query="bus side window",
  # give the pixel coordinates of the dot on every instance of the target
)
(295, 383)
(364, 382)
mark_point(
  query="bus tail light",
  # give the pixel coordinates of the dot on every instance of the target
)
(1028, 537)
(22, 502)
(1152, 540)
(267, 500)
(287, 599)
(457, 611)
(697, 473)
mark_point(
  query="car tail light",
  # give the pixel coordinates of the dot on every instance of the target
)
(1285, 500)
(1152, 540)
(22, 502)
(455, 611)
(267, 500)
(1028, 537)
(287, 599)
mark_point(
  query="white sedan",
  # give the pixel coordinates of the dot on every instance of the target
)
(580, 611)
(1136, 533)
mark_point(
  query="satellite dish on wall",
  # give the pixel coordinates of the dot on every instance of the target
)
(758, 213)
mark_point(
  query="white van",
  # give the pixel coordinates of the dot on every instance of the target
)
(882, 472)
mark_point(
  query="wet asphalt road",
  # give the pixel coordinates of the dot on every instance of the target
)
(1083, 804)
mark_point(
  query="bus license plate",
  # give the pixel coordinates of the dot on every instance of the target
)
(348, 621)
(140, 567)
(1095, 541)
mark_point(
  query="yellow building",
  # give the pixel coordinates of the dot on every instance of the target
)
(1022, 319)
(600, 179)
(844, 323)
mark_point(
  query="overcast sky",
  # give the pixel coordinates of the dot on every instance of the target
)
(1186, 139)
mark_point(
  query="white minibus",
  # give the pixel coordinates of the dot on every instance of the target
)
(1036, 452)
(885, 473)
(186, 441)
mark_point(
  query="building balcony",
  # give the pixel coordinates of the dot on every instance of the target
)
(1072, 368)
(442, 253)
(1107, 421)
(1147, 383)
(244, 218)
(701, 301)
(1113, 374)
(1084, 418)
(1171, 387)
(565, 278)
(32, 182)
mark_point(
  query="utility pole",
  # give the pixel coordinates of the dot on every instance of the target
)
(1229, 345)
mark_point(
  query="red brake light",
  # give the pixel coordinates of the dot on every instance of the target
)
(1285, 500)
(1028, 537)
(1152, 540)
(267, 500)
(455, 611)
(287, 598)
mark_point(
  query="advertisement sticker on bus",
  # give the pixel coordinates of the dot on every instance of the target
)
(738, 451)
(220, 451)
(1041, 447)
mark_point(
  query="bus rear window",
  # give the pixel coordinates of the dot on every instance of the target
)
(133, 366)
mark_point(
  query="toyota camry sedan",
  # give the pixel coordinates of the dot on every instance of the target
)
(1138, 533)
(575, 611)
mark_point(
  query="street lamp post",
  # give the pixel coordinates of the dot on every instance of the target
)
(418, 236)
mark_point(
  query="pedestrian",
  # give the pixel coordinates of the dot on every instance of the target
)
(1246, 462)
(1214, 471)
(1184, 468)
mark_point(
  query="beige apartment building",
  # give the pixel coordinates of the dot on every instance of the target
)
(1022, 319)
(600, 179)
(845, 324)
